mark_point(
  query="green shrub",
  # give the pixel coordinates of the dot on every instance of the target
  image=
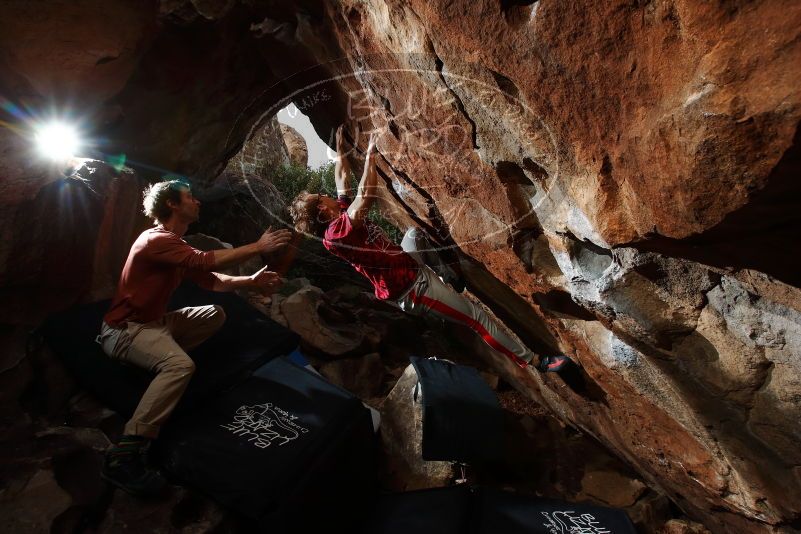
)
(292, 179)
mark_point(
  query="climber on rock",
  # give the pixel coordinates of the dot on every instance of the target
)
(346, 231)
(138, 330)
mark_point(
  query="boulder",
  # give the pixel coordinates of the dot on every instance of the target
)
(611, 488)
(34, 505)
(681, 526)
(331, 330)
(295, 145)
(264, 151)
(362, 376)
(401, 436)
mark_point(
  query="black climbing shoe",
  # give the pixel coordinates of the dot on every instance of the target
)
(125, 467)
(553, 364)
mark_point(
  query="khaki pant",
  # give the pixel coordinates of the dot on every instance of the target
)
(159, 347)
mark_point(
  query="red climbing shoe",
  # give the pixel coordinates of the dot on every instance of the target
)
(553, 364)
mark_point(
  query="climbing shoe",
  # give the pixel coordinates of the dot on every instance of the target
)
(125, 467)
(553, 364)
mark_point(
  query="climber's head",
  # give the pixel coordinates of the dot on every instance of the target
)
(312, 212)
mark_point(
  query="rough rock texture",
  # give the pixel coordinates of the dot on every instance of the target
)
(34, 506)
(54, 437)
(242, 202)
(678, 526)
(618, 178)
(363, 376)
(68, 242)
(295, 145)
(326, 329)
(401, 435)
(263, 151)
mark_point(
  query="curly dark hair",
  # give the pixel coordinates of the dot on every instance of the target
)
(303, 210)
(156, 196)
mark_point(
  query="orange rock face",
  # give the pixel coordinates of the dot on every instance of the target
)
(618, 179)
(614, 153)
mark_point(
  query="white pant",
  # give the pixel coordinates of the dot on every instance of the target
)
(429, 294)
(416, 244)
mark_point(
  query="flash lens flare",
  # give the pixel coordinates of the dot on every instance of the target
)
(57, 141)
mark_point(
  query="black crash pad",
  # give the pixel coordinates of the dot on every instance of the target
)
(476, 510)
(462, 419)
(285, 448)
(245, 341)
(502, 511)
(429, 511)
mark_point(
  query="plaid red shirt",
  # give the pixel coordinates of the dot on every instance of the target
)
(367, 248)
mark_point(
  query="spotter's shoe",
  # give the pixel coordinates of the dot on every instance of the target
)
(124, 466)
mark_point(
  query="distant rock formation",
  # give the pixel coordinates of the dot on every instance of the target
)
(263, 151)
(295, 145)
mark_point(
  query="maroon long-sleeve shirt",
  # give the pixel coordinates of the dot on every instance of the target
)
(391, 271)
(158, 261)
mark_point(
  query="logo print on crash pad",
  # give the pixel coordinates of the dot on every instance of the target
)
(264, 425)
(569, 522)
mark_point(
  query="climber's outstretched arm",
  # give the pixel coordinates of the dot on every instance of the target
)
(342, 171)
(366, 194)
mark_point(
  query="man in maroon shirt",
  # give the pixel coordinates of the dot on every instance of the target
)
(138, 330)
(396, 276)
